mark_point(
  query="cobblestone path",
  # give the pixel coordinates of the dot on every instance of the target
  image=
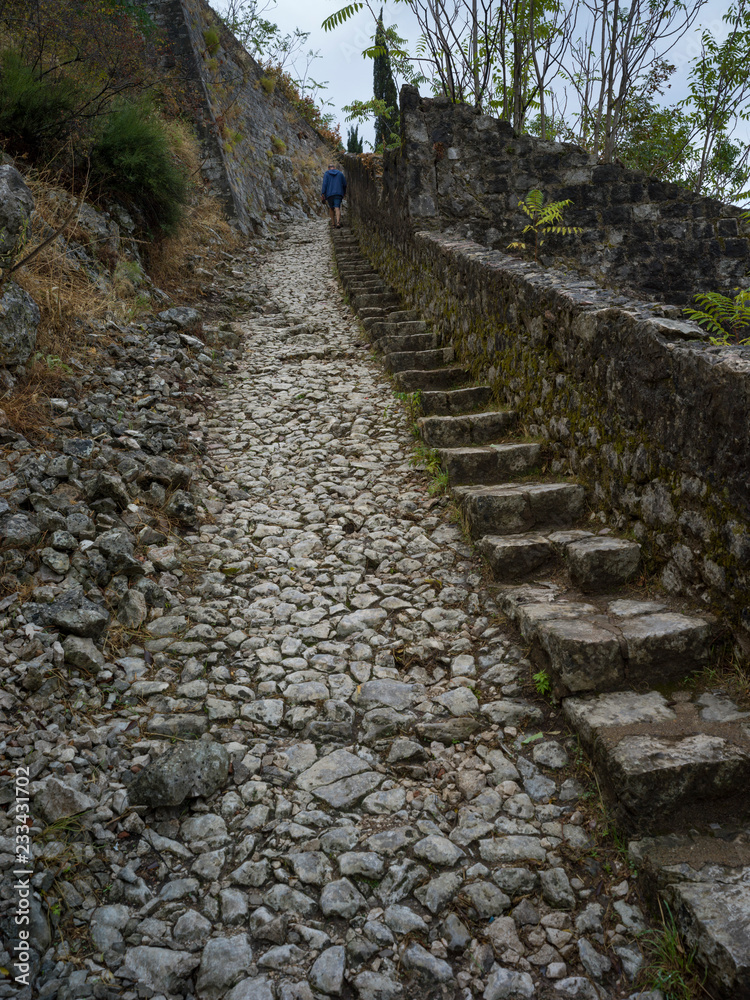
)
(373, 808)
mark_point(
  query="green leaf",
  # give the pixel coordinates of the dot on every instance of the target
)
(340, 16)
(532, 739)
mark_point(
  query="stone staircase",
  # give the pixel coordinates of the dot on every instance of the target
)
(672, 761)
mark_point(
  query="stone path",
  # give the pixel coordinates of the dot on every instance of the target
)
(372, 807)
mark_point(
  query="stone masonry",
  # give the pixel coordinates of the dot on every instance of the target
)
(463, 174)
(629, 396)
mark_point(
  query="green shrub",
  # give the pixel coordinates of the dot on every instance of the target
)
(35, 109)
(268, 83)
(133, 159)
(211, 38)
(279, 146)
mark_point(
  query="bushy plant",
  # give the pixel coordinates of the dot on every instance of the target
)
(36, 109)
(133, 158)
(306, 107)
(211, 38)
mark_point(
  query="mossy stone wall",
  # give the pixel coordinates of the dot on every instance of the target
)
(638, 406)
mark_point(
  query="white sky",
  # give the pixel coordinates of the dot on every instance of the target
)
(349, 75)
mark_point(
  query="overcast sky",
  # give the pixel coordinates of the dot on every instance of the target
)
(349, 75)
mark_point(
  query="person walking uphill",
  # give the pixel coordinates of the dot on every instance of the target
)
(333, 192)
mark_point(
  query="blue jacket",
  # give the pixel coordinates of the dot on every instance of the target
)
(334, 184)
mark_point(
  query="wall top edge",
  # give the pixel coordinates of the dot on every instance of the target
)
(581, 295)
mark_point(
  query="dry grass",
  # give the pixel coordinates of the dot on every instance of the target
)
(71, 293)
(57, 282)
(27, 406)
(199, 242)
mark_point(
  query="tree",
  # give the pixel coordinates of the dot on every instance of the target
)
(719, 98)
(383, 87)
(353, 140)
(619, 46)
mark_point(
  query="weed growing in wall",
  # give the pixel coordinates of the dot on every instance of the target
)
(211, 38)
(725, 317)
(545, 220)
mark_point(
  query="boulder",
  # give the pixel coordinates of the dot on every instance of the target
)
(19, 319)
(16, 206)
(183, 772)
(56, 801)
(83, 653)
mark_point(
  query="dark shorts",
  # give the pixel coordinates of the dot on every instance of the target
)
(334, 201)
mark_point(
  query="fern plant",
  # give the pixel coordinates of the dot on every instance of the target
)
(723, 316)
(545, 220)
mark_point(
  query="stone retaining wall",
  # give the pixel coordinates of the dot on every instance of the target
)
(632, 400)
(464, 173)
(259, 153)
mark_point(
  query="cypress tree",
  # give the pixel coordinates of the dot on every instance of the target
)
(353, 140)
(384, 87)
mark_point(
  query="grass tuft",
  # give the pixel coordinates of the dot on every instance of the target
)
(670, 965)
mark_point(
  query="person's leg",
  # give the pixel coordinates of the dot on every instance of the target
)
(338, 216)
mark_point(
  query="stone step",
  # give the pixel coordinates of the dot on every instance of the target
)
(382, 299)
(456, 402)
(585, 648)
(394, 328)
(667, 762)
(471, 429)
(402, 361)
(367, 287)
(409, 342)
(515, 557)
(392, 316)
(600, 563)
(364, 281)
(489, 464)
(704, 878)
(351, 268)
(510, 508)
(593, 563)
(438, 378)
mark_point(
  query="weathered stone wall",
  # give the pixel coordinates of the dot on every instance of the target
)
(632, 400)
(464, 173)
(259, 153)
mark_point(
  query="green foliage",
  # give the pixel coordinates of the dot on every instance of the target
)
(52, 362)
(268, 83)
(353, 140)
(545, 220)
(279, 146)
(726, 318)
(361, 111)
(340, 16)
(542, 682)
(211, 38)
(670, 966)
(412, 401)
(36, 109)
(133, 158)
(384, 89)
